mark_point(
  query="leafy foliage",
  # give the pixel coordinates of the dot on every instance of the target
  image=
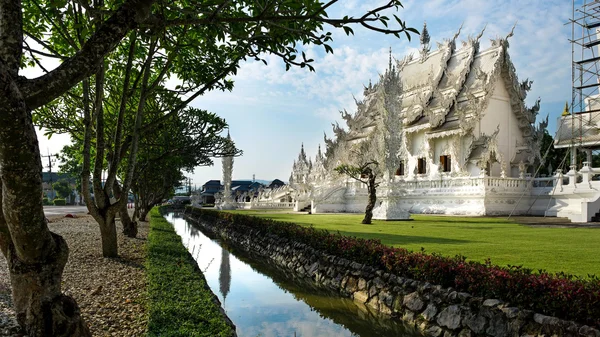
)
(561, 295)
(63, 189)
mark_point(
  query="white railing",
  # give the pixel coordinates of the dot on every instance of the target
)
(265, 205)
(447, 184)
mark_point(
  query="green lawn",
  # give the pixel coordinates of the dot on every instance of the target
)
(571, 250)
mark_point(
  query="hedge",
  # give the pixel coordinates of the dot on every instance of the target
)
(561, 295)
(59, 202)
(180, 302)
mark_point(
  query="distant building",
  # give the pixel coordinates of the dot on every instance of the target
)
(276, 184)
(241, 190)
(207, 194)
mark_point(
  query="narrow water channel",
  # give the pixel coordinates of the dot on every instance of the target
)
(264, 301)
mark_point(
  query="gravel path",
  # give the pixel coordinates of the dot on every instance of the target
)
(110, 292)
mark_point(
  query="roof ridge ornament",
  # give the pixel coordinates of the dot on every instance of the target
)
(512, 31)
(458, 32)
(481, 33)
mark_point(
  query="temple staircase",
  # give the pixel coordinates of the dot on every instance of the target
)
(307, 208)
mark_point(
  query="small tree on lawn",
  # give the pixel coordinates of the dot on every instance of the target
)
(367, 174)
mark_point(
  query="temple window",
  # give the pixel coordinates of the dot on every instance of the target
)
(422, 166)
(400, 170)
(445, 163)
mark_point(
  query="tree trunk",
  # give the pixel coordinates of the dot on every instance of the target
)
(136, 208)
(35, 256)
(130, 228)
(143, 213)
(108, 231)
(371, 187)
(40, 306)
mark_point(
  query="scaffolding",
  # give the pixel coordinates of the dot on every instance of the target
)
(580, 132)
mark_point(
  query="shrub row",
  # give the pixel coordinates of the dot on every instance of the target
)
(180, 302)
(59, 202)
(565, 296)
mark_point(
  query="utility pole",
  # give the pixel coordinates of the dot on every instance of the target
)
(50, 162)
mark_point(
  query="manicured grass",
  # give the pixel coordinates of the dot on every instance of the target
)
(180, 302)
(570, 250)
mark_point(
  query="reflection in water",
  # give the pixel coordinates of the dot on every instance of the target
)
(224, 275)
(268, 302)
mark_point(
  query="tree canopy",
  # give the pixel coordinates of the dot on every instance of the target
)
(114, 58)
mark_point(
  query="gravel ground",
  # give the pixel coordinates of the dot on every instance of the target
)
(110, 292)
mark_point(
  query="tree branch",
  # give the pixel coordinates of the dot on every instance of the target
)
(46, 88)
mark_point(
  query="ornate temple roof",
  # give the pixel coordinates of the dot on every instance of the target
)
(443, 92)
(445, 85)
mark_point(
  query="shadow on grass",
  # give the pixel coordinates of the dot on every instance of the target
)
(399, 239)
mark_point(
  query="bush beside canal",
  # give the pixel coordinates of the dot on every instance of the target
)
(180, 303)
(558, 295)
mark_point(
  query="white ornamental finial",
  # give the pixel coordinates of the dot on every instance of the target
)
(424, 43)
(425, 36)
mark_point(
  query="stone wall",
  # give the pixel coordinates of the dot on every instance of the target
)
(433, 310)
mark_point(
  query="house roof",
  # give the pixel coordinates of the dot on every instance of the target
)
(276, 182)
(53, 177)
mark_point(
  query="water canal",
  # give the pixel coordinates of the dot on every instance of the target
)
(265, 301)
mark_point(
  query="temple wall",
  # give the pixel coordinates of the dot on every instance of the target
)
(499, 114)
(473, 197)
(417, 150)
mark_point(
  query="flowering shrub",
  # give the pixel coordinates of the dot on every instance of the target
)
(565, 296)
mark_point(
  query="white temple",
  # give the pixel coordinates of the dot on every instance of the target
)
(450, 132)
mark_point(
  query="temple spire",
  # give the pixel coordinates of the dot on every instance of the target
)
(566, 110)
(424, 43)
(424, 36)
(302, 155)
(390, 62)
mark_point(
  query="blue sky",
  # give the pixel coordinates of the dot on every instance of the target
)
(271, 112)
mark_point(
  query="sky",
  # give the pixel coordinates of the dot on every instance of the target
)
(271, 112)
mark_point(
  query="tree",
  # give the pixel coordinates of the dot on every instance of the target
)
(366, 173)
(36, 257)
(63, 189)
(555, 158)
(182, 143)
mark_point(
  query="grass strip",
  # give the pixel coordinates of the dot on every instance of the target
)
(180, 302)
